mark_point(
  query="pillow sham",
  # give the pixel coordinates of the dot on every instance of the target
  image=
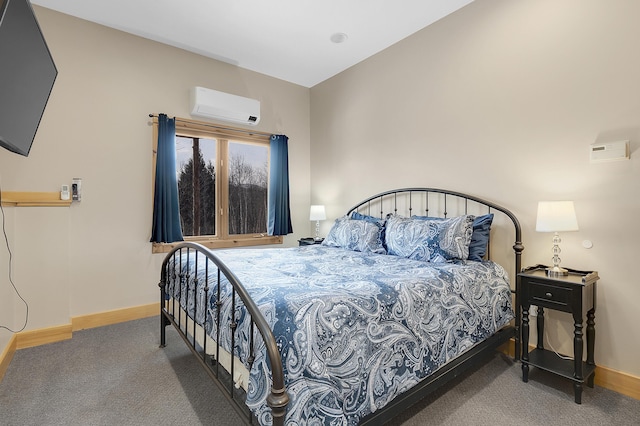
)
(380, 222)
(356, 235)
(431, 240)
(479, 237)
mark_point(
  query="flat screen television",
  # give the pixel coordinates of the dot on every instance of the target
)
(27, 74)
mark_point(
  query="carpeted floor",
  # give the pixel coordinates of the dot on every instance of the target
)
(117, 375)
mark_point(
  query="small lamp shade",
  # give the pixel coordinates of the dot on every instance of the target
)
(317, 213)
(556, 216)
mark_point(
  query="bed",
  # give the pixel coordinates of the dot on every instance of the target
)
(403, 295)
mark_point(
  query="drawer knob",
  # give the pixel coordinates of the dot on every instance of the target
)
(548, 294)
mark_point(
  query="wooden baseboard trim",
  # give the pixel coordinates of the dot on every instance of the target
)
(42, 336)
(508, 348)
(114, 317)
(28, 339)
(7, 356)
(618, 381)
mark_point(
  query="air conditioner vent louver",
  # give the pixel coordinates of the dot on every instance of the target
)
(212, 104)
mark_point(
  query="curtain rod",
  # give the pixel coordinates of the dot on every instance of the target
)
(215, 126)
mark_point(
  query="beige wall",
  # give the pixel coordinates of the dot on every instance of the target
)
(95, 256)
(502, 100)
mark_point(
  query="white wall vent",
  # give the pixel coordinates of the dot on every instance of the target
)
(209, 103)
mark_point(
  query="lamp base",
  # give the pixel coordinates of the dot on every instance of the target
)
(557, 271)
(317, 237)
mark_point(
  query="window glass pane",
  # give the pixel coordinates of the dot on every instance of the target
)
(248, 182)
(196, 160)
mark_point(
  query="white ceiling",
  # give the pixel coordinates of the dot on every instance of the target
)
(286, 39)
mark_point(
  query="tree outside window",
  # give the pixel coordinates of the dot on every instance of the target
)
(217, 176)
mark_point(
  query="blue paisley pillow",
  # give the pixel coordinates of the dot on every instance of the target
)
(356, 235)
(380, 222)
(479, 237)
(437, 240)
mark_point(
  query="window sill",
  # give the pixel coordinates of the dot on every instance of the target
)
(216, 243)
(33, 199)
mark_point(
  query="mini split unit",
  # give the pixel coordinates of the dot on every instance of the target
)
(609, 151)
(216, 105)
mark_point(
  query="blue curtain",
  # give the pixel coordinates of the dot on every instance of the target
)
(166, 210)
(279, 222)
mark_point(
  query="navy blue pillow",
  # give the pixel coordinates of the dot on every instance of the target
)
(479, 238)
(359, 216)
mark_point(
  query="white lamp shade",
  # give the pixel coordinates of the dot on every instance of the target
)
(556, 216)
(317, 213)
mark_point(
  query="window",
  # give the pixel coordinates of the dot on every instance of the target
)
(223, 178)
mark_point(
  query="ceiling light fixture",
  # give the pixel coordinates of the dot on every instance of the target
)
(339, 38)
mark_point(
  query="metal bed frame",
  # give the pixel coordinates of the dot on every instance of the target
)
(408, 200)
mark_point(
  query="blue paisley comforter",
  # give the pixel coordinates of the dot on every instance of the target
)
(354, 329)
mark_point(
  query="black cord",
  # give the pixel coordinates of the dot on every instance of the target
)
(6, 239)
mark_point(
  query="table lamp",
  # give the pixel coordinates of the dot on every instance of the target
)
(556, 216)
(317, 213)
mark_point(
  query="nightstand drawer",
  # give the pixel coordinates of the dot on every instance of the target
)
(550, 296)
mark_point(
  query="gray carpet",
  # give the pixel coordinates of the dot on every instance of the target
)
(117, 375)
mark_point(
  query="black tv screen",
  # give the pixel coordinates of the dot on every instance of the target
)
(27, 74)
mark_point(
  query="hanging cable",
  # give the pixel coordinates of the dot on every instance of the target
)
(6, 239)
(546, 337)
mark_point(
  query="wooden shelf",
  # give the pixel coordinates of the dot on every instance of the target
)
(33, 199)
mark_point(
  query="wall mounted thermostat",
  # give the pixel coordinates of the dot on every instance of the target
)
(76, 189)
(609, 151)
(64, 192)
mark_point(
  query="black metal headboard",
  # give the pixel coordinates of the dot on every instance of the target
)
(437, 203)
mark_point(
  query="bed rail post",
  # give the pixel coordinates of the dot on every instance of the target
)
(518, 248)
(163, 321)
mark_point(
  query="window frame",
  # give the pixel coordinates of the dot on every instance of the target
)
(197, 129)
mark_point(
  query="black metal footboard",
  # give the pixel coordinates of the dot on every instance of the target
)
(188, 328)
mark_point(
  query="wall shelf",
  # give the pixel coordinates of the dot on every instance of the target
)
(33, 199)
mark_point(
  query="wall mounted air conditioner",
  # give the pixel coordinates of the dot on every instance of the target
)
(212, 104)
(609, 151)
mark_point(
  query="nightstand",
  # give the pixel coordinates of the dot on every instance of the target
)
(574, 293)
(309, 241)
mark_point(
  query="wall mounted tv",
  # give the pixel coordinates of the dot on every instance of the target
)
(27, 74)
